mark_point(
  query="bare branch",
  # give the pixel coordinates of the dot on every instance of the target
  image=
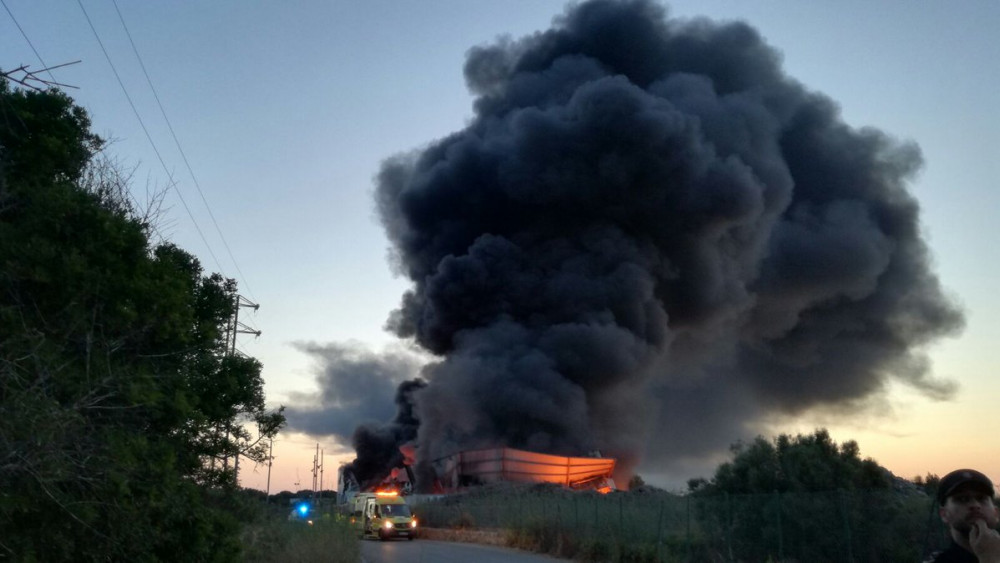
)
(73, 515)
(29, 79)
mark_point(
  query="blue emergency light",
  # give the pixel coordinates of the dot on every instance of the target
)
(303, 509)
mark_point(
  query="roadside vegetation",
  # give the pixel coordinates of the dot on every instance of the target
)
(122, 409)
(274, 538)
(795, 498)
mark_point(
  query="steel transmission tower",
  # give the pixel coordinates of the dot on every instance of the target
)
(233, 328)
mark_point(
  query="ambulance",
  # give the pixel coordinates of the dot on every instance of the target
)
(382, 515)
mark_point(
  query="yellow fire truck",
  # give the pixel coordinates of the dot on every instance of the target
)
(383, 515)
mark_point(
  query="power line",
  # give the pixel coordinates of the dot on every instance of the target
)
(149, 138)
(173, 184)
(30, 78)
(25, 35)
(181, 150)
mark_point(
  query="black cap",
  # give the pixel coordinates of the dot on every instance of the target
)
(952, 481)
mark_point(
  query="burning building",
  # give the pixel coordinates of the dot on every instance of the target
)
(497, 465)
(647, 239)
(461, 470)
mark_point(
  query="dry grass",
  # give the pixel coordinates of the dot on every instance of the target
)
(329, 541)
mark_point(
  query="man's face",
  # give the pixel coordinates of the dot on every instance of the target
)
(966, 505)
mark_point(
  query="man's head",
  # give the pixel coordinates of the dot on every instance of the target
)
(965, 496)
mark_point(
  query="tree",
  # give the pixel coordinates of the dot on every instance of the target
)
(808, 496)
(801, 463)
(116, 389)
(928, 484)
(636, 482)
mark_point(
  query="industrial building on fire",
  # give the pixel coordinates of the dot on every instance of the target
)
(471, 468)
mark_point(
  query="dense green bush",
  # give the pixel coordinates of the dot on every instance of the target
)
(117, 392)
(801, 498)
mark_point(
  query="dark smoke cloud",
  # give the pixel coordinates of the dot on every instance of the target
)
(647, 239)
(378, 445)
(356, 385)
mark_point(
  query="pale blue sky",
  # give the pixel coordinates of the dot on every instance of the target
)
(285, 111)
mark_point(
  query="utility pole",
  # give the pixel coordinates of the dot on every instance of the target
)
(322, 454)
(233, 328)
(270, 458)
(315, 471)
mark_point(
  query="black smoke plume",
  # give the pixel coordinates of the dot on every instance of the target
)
(649, 237)
(378, 445)
(356, 385)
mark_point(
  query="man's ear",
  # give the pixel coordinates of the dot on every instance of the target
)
(941, 513)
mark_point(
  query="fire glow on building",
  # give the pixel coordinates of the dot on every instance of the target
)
(647, 239)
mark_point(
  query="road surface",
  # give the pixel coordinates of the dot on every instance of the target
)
(430, 551)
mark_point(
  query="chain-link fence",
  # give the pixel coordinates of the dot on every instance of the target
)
(836, 526)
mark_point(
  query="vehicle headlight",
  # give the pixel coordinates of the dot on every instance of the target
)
(387, 525)
(413, 523)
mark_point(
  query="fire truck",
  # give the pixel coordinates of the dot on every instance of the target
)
(382, 515)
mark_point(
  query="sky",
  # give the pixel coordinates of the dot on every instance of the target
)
(286, 111)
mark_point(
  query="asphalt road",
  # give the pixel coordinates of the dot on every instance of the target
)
(430, 551)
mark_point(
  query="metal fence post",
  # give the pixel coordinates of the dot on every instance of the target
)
(621, 517)
(659, 534)
(520, 509)
(687, 541)
(576, 511)
(781, 535)
(847, 523)
(924, 549)
(729, 525)
(596, 519)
